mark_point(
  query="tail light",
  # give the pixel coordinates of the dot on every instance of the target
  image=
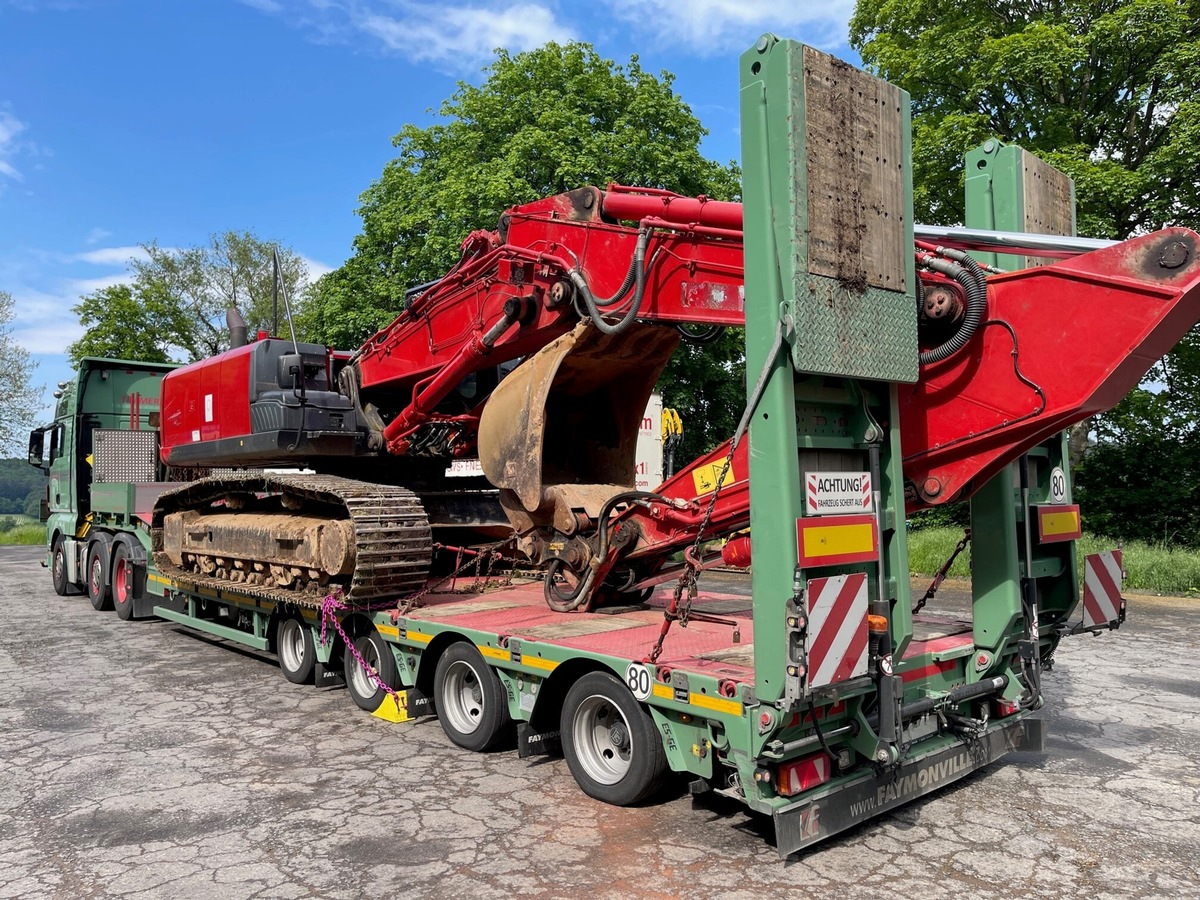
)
(1002, 708)
(801, 775)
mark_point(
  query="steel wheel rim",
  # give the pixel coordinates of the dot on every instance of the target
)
(462, 703)
(603, 740)
(291, 645)
(60, 564)
(119, 588)
(364, 684)
(97, 572)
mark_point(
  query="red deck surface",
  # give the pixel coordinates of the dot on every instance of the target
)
(520, 611)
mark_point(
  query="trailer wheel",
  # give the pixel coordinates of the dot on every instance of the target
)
(296, 651)
(98, 589)
(469, 698)
(610, 742)
(58, 568)
(364, 690)
(122, 582)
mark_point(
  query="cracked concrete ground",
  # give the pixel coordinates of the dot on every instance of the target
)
(139, 760)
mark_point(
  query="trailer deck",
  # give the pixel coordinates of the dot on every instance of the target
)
(629, 632)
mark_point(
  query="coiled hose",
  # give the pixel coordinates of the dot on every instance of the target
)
(974, 283)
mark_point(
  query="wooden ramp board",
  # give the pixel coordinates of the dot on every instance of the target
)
(439, 610)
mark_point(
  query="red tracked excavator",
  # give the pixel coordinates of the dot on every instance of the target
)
(587, 294)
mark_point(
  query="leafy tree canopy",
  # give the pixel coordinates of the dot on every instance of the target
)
(543, 122)
(1102, 89)
(174, 307)
(18, 397)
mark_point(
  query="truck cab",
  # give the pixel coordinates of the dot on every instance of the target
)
(101, 456)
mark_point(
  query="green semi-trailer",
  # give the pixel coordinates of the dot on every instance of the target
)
(824, 697)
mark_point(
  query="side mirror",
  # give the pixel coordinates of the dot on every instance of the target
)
(37, 447)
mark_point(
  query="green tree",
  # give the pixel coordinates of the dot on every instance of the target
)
(543, 122)
(130, 322)
(19, 398)
(174, 307)
(1102, 89)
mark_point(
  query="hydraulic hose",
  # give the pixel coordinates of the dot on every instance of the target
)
(974, 283)
(637, 271)
(567, 602)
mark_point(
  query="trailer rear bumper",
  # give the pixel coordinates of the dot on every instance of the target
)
(811, 820)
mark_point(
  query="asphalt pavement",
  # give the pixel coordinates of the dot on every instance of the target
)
(140, 760)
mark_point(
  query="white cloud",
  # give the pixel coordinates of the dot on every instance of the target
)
(464, 35)
(90, 285)
(718, 26)
(43, 322)
(112, 256)
(10, 128)
(456, 37)
(315, 268)
(96, 235)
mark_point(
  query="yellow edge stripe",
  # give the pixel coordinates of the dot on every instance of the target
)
(536, 662)
(158, 579)
(494, 653)
(389, 630)
(665, 691)
(1060, 523)
(418, 637)
(716, 704)
(834, 540)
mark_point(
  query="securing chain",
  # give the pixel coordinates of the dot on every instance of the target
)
(330, 607)
(408, 604)
(942, 572)
(678, 609)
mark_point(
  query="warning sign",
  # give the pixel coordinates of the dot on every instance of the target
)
(837, 493)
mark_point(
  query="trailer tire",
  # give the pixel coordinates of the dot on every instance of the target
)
(124, 586)
(364, 691)
(610, 742)
(470, 701)
(98, 589)
(58, 568)
(296, 650)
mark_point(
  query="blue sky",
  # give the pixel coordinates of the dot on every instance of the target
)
(129, 121)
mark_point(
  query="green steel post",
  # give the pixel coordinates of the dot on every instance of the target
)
(1009, 189)
(828, 253)
(775, 499)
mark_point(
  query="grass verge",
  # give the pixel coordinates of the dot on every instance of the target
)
(24, 534)
(1151, 569)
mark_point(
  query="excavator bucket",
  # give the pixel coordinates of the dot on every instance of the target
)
(570, 414)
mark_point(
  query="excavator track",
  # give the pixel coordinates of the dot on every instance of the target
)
(390, 554)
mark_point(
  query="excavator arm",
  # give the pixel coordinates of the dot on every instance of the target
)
(572, 293)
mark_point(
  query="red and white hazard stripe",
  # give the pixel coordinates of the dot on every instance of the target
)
(837, 628)
(1102, 577)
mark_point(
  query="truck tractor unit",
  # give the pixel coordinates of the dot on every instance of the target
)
(326, 505)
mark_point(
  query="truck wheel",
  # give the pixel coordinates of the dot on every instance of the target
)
(58, 568)
(296, 651)
(469, 698)
(98, 590)
(364, 690)
(610, 742)
(123, 589)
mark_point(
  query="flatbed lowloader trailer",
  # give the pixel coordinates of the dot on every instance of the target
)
(825, 697)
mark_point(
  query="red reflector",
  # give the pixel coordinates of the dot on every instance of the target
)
(802, 774)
